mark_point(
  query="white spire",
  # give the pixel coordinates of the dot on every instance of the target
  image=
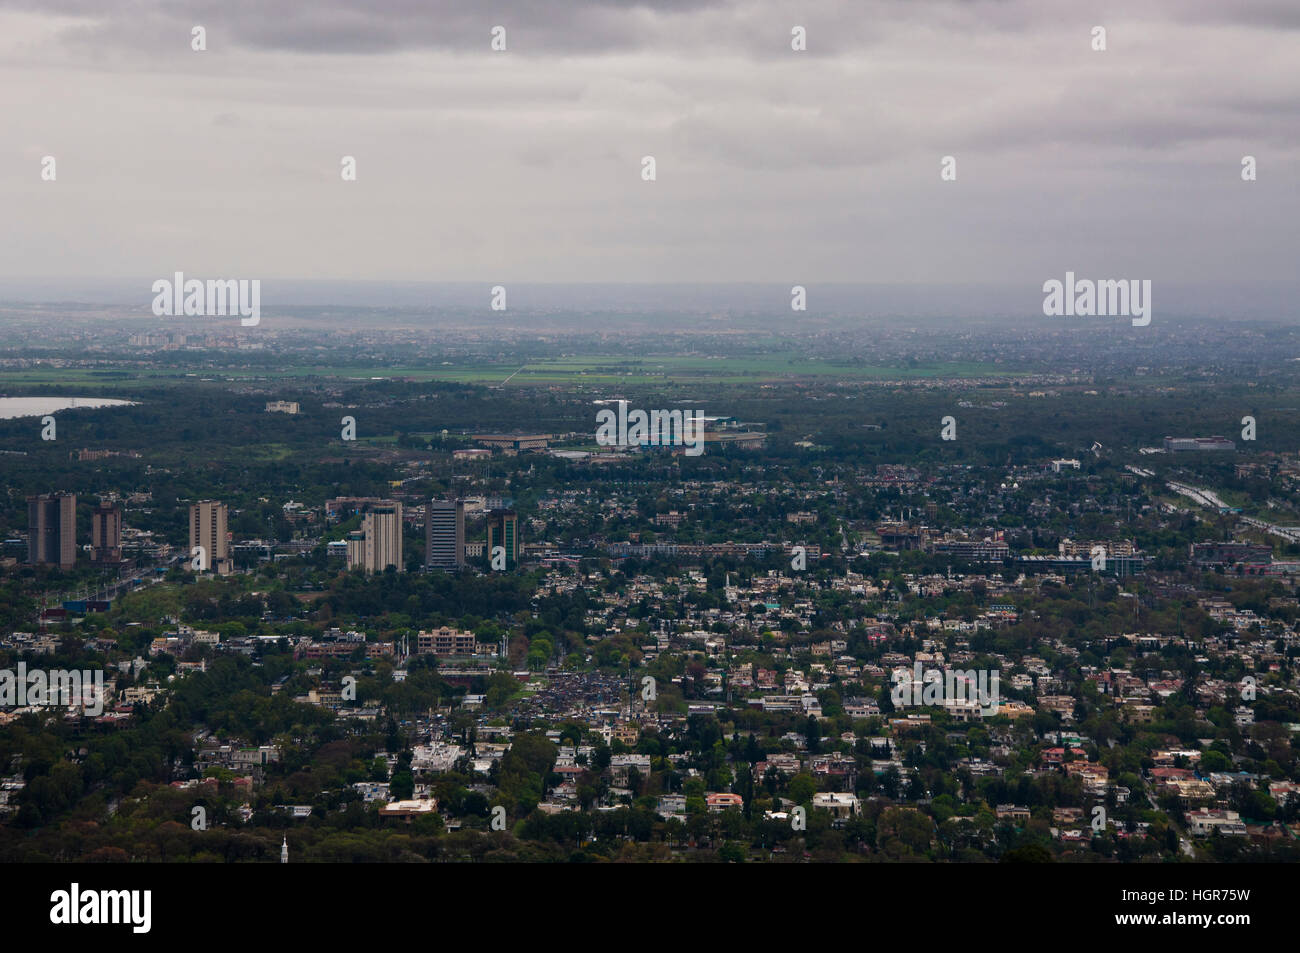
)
(284, 850)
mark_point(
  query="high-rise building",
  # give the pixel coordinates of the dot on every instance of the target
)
(106, 533)
(503, 531)
(208, 530)
(356, 549)
(380, 543)
(444, 534)
(52, 529)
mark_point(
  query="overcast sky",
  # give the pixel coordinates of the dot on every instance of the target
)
(772, 165)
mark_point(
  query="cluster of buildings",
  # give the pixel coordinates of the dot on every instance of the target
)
(374, 547)
(377, 545)
(52, 531)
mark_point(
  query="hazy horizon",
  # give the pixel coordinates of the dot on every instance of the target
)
(1268, 301)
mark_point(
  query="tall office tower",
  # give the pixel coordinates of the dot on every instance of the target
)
(381, 542)
(106, 533)
(208, 530)
(444, 534)
(52, 529)
(356, 549)
(503, 530)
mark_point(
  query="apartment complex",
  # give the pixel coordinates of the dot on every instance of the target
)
(503, 531)
(208, 535)
(445, 641)
(378, 544)
(106, 533)
(444, 534)
(52, 529)
(976, 550)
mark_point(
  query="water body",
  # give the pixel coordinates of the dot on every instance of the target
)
(11, 407)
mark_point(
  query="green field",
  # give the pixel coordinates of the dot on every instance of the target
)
(593, 369)
(82, 377)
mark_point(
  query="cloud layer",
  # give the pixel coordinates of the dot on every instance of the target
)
(773, 165)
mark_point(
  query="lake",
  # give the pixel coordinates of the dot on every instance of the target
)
(11, 407)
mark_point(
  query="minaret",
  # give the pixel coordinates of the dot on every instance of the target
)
(284, 850)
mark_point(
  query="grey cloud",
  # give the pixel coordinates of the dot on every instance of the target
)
(368, 26)
(525, 167)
